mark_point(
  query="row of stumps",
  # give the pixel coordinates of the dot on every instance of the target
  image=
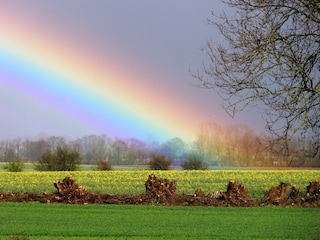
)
(163, 191)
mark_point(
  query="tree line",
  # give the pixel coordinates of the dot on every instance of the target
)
(93, 148)
(214, 145)
(241, 146)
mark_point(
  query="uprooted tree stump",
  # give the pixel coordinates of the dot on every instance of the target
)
(199, 193)
(294, 197)
(236, 194)
(69, 191)
(313, 193)
(277, 195)
(160, 190)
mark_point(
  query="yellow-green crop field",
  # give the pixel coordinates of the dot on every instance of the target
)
(257, 182)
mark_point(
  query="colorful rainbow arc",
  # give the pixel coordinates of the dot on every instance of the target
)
(81, 88)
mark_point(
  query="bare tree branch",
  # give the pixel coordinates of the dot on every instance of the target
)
(270, 58)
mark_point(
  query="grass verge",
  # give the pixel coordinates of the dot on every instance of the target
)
(33, 221)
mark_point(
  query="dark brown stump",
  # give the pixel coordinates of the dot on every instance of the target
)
(276, 195)
(160, 190)
(69, 191)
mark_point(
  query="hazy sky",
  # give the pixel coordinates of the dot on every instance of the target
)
(119, 68)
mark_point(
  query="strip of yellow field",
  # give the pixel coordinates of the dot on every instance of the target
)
(257, 182)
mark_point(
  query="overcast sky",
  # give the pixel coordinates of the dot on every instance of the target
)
(145, 38)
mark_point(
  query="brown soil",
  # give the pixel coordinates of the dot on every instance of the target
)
(163, 192)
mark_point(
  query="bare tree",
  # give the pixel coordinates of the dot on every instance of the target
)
(35, 149)
(137, 151)
(270, 58)
(55, 141)
(209, 143)
(240, 145)
(95, 148)
(174, 148)
(7, 150)
(119, 150)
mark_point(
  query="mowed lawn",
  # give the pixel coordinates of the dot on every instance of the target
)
(24, 221)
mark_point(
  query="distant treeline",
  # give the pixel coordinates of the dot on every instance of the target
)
(235, 145)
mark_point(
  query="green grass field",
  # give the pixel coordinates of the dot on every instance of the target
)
(58, 221)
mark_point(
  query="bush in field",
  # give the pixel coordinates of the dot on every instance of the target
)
(16, 165)
(63, 159)
(103, 165)
(194, 164)
(159, 162)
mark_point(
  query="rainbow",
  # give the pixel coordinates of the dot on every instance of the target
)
(64, 82)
